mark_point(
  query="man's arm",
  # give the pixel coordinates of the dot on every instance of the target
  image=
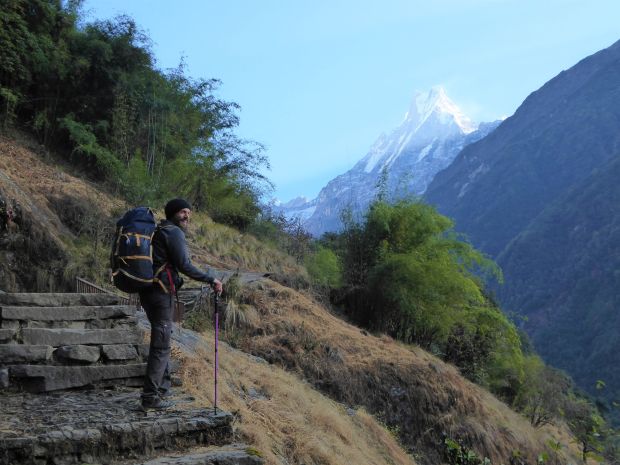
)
(179, 256)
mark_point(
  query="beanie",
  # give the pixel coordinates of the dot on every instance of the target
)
(174, 206)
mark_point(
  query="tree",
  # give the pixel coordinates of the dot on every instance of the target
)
(543, 392)
(587, 425)
(324, 268)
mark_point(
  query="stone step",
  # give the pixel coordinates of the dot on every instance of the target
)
(45, 378)
(19, 353)
(66, 313)
(109, 323)
(22, 353)
(7, 334)
(102, 427)
(57, 337)
(58, 299)
(237, 454)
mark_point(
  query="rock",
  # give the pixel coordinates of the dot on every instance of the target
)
(9, 324)
(4, 378)
(62, 337)
(66, 313)
(6, 334)
(55, 324)
(223, 456)
(119, 352)
(42, 378)
(104, 426)
(78, 353)
(59, 299)
(143, 350)
(19, 353)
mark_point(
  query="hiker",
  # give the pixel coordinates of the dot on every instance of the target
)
(170, 256)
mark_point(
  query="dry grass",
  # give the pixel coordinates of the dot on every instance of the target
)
(226, 247)
(404, 386)
(278, 413)
(41, 184)
(283, 417)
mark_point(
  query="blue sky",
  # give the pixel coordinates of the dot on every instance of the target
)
(318, 81)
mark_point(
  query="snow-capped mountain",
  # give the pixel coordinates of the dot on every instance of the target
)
(433, 132)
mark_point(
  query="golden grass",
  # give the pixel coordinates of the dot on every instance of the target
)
(282, 417)
(405, 386)
(33, 180)
(291, 422)
(226, 247)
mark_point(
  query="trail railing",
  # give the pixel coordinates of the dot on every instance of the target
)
(86, 287)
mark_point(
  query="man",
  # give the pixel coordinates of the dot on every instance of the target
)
(170, 256)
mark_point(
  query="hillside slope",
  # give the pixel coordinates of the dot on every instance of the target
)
(581, 233)
(417, 395)
(539, 195)
(64, 225)
(420, 398)
(563, 131)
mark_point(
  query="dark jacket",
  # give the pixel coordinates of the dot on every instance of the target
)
(170, 256)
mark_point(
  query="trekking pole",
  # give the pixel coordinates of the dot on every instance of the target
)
(216, 301)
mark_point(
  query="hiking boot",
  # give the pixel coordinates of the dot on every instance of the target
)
(166, 394)
(157, 404)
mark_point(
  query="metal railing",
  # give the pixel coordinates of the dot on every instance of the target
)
(86, 287)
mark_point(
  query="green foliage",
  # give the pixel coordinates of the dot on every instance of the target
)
(92, 154)
(485, 345)
(94, 92)
(136, 183)
(417, 275)
(457, 454)
(287, 234)
(543, 392)
(406, 273)
(587, 425)
(324, 268)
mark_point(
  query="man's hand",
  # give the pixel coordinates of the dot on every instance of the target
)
(217, 286)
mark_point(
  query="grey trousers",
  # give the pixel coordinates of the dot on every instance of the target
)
(158, 308)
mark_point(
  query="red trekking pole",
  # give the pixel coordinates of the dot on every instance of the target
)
(216, 301)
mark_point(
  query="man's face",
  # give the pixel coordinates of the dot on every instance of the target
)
(181, 218)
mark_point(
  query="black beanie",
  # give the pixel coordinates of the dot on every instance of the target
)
(174, 206)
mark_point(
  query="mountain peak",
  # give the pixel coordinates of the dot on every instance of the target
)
(436, 101)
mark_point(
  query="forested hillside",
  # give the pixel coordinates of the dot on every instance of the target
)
(581, 272)
(538, 195)
(96, 94)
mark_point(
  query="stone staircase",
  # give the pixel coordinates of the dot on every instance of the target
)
(60, 341)
(68, 363)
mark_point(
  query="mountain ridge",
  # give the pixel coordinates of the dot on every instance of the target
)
(502, 191)
(402, 163)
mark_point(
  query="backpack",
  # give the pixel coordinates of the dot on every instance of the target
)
(132, 250)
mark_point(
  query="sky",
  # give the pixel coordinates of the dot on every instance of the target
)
(319, 80)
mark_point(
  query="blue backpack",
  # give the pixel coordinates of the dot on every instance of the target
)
(132, 250)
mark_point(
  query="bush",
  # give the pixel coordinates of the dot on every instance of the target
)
(324, 268)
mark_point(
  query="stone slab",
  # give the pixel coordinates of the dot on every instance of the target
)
(96, 426)
(61, 337)
(19, 353)
(119, 352)
(4, 378)
(58, 299)
(78, 353)
(45, 378)
(9, 324)
(53, 324)
(6, 334)
(239, 455)
(64, 313)
(117, 323)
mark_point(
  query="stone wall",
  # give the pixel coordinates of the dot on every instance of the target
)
(60, 341)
